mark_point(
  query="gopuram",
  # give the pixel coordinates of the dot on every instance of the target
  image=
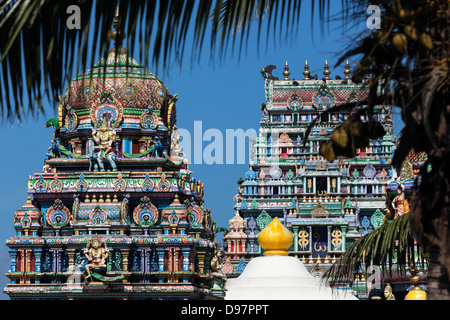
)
(115, 212)
(326, 205)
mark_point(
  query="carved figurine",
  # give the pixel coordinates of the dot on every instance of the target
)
(400, 203)
(96, 255)
(54, 151)
(216, 268)
(175, 148)
(105, 139)
(388, 295)
(92, 156)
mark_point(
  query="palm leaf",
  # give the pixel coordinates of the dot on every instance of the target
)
(39, 54)
(376, 248)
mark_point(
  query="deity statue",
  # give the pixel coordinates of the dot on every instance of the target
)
(96, 255)
(388, 295)
(92, 156)
(216, 268)
(400, 203)
(54, 151)
(105, 139)
(175, 149)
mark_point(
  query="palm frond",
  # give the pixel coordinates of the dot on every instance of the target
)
(39, 54)
(391, 245)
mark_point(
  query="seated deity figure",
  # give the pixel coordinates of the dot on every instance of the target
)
(400, 203)
(96, 255)
(105, 138)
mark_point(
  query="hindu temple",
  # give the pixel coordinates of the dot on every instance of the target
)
(326, 205)
(115, 212)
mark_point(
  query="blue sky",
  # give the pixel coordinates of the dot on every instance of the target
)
(223, 96)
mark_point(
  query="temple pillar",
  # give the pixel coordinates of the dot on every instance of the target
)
(310, 238)
(329, 237)
(117, 148)
(55, 260)
(37, 254)
(295, 231)
(344, 236)
(71, 255)
(176, 259)
(160, 253)
(125, 253)
(328, 185)
(59, 260)
(186, 255)
(13, 256)
(37, 263)
(201, 261)
(207, 265)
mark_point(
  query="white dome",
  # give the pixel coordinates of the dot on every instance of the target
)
(280, 278)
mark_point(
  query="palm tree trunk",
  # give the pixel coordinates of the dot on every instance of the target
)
(438, 280)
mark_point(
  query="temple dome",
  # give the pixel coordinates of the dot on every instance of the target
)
(126, 79)
(116, 87)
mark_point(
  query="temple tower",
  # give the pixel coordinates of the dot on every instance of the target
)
(115, 212)
(326, 205)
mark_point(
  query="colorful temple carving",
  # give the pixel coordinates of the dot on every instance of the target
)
(115, 212)
(326, 205)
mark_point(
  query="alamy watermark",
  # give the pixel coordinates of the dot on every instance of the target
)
(374, 20)
(213, 146)
(74, 20)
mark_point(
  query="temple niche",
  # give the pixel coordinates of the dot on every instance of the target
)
(326, 205)
(115, 213)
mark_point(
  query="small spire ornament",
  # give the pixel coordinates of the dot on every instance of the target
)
(306, 73)
(347, 70)
(326, 71)
(117, 35)
(286, 72)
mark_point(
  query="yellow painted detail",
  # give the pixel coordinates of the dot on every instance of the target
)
(416, 293)
(275, 239)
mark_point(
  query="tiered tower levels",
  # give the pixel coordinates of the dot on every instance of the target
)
(115, 174)
(326, 205)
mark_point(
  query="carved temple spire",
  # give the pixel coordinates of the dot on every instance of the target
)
(326, 71)
(286, 72)
(347, 70)
(306, 72)
(118, 36)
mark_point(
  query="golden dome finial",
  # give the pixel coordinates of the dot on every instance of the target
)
(117, 35)
(286, 72)
(306, 73)
(326, 71)
(275, 238)
(347, 70)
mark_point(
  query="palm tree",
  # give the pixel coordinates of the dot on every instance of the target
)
(407, 58)
(392, 247)
(409, 61)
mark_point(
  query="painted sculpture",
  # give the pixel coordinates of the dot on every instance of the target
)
(388, 295)
(54, 150)
(96, 256)
(217, 263)
(105, 139)
(400, 203)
